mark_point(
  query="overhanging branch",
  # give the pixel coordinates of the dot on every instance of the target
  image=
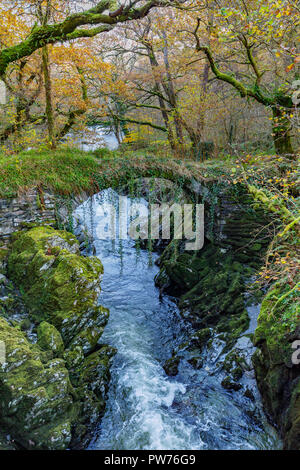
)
(141, 123)
(66, 30)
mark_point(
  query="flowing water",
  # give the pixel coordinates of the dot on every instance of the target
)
(146, 409)
(97, 136)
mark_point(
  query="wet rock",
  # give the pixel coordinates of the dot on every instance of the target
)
(196, 362)
(237, 373)
(249, 394)
(171, 366)
(200, 338)
(74, 357)
(69, 283)
(244, 343)
(162, 280)
(35, 394)
(89, 336)
(3, 280)
(228, 384)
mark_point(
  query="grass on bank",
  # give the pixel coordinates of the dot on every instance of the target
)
(63, 171)
(68, 171)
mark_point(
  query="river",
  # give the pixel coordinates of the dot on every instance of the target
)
(93, 138)
(146, 409)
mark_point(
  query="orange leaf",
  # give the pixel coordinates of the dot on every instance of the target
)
(289, 67)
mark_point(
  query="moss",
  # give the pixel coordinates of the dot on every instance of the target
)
(162, 279)
(292, 426)
(230, 361)
(58, 438)
(236, 266)
(233, 326)
(230, 385)
(255, 247)
(196, 362)
(184, 272)
(50, 339)
(89, 336)
(237, 373)
(32, 392)
(25, 324)
(277, 377)
(271, 330)
(208, 284)
(216, 295)
(201, 337)
(94, 370)
(60, 286)
(211, 286)
(4, 252)
(8, 305)
(50, 397)
(73, 357)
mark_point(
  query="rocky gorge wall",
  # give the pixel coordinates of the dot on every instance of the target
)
(35, 207)
(55, 377)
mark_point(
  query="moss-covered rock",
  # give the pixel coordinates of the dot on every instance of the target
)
(59, 286)
(200, 338)
(4, 251)
(210, 285)
(50, 339)
(171, 366)
(196, 362)
(90, 334)
(230, 384)
(25, 324)
(91, 378)
(277, 377)
(53, 392)
(74, 357)
(35, 394)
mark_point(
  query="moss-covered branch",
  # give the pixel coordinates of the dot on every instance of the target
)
(68, 29)
(277, 99)
(274, 205)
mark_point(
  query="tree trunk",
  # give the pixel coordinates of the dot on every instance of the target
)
(157, 87)
(48, 94)
(281, 134)
(169, 89)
